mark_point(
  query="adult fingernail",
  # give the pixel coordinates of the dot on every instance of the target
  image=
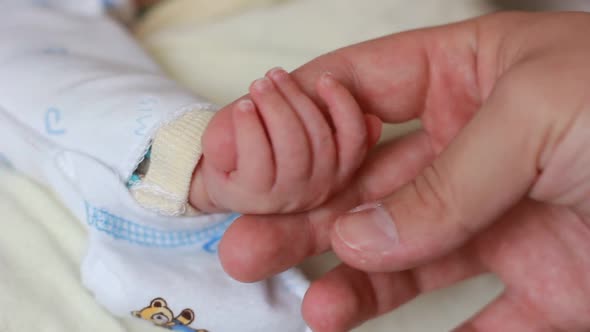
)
(368, 227)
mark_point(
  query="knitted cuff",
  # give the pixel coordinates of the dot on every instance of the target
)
(176, 150)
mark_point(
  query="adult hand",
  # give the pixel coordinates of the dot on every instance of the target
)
(498, 179)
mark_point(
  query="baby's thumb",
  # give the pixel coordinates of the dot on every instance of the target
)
(486, 169)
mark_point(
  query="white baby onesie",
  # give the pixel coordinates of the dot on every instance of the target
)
(80, 104)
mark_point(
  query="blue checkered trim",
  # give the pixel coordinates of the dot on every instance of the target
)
(122, 229)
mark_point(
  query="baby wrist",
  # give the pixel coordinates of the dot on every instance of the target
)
(175, 152)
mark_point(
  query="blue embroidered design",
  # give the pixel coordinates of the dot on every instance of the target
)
(52, 120)
(142, 127)
(212, 245)
(123, 229)
(146, 108)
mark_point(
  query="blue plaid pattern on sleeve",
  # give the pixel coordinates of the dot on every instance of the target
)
(126, 230)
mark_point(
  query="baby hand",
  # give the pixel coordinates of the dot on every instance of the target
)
(276, 151)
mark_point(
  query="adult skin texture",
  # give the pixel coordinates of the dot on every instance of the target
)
(498, 179)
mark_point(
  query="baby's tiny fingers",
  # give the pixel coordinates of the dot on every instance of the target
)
(255, 167)
(285, 131)
(349, 122)
(319, 132)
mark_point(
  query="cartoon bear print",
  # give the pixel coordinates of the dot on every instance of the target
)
(160, 314)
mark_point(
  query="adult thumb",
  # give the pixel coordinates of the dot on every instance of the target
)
(488, 167)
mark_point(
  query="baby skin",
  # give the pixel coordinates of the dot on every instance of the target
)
(277, 151)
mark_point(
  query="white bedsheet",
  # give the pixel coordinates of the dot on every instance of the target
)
(217, 48)
(41, 247)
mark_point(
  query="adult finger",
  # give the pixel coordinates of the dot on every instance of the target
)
(506, 314)
(486, 169)
(346, 297)
(352, 137)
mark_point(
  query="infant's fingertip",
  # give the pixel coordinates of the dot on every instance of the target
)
(245, 105)
(277, 73)
(261, 85)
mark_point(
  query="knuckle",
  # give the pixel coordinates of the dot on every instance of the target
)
(440, 199)
(429, 191)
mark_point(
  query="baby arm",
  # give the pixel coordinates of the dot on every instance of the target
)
(73, 78)
(278, 151)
